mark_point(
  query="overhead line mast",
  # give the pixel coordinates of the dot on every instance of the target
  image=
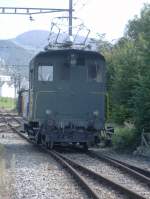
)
(29, 11)
(33, 11)
(70, 17)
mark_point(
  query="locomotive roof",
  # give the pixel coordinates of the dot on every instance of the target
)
(64, 51)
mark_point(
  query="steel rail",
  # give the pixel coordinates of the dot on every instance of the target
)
(144, 172)
(72, 167)
(75, 174)
(121, 164)
(103, 179)
(124, 167)
(14, 129)
(8, 115)
(91, 193)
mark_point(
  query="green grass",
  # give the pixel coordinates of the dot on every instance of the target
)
(7, 103)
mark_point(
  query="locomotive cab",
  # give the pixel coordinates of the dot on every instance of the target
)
(66, 96)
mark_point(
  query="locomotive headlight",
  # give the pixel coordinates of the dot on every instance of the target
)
(96, 113)
(48, 112)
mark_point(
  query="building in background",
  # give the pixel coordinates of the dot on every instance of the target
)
(7, 87)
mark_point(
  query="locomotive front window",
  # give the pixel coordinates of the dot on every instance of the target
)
(45, 73)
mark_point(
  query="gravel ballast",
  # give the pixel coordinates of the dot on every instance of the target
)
(28, 173)
(111, 173)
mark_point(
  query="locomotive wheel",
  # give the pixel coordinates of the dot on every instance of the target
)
(85, 146)
(38, 138)
(50, 145)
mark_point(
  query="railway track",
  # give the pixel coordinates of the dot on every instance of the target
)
(141, 174)
(92, 182)
(121, 164)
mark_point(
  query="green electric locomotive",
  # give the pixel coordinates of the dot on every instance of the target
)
(65, 100)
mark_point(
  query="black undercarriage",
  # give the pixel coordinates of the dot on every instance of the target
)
(51, 135)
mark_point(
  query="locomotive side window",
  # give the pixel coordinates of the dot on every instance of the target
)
(45, 73)
(94, 72)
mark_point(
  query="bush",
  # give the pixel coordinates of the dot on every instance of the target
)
(125, 139)
(120, 114)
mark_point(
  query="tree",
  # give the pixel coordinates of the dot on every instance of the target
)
(138, 31)
(128, 66)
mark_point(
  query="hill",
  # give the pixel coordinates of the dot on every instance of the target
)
(13, 54)
(31, 40)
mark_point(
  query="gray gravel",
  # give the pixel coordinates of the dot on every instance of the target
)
(27, 173)
(112, 173)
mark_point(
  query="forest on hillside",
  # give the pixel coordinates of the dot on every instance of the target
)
(128, 73)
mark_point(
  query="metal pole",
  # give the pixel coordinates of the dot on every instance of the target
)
(70, 17)
(29, 11)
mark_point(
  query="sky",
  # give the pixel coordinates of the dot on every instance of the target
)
(100, 16)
